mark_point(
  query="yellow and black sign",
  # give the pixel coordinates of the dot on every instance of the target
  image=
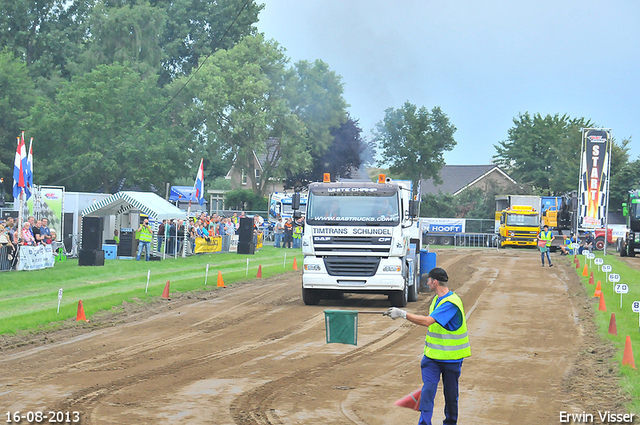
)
(213, 245)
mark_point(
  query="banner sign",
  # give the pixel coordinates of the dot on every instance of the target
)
(594, 168)
(233, 246)
(47, 202)
(213, 245)
(442, 225)
(36, 257)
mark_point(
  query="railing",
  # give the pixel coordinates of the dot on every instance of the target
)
(476, 240)
(8, 258)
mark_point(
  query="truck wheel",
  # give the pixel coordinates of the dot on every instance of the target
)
(623, 249)
(399, 298)
(431, 240)
(415, 288)
(599, 243)
(446, 240)
(630, 251)
(310, 296)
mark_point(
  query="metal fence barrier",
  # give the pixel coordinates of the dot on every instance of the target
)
(8, 258)
(475, 240)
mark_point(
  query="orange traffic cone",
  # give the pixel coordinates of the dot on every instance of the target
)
(603, 305)
(80, 315)
(577, 264)
(295, 264)
(412, 401)
(585, 271)
(575, 258)
(591, 279)
(627, 357)
(613, 329)
(165, 293)
(220, 280)
(598, 290)
(259, 271)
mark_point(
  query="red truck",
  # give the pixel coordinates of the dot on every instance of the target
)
(599, 237)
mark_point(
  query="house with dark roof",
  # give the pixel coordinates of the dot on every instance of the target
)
(244, 179)
(458, 178)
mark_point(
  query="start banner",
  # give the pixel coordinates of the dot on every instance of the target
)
(594, 178)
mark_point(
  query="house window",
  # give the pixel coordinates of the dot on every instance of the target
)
(257, 176)
(244, 178)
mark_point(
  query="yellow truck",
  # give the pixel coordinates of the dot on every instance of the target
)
(519, 226)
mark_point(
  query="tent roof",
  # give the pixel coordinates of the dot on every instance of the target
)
(148, 203)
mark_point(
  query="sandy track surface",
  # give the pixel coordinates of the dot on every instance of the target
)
(255, 354)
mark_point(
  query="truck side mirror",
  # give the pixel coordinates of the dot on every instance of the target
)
(501, 219)
(297, 214)
(413, 208)
(625, 209)
(295, 201)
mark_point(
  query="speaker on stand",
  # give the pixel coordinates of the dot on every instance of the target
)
(245, 236)
(92, 228)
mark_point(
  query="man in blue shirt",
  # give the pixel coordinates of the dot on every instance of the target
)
(446, 345)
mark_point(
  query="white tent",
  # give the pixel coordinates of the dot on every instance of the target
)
(146, 202)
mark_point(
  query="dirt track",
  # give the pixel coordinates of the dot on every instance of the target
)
(254, 354)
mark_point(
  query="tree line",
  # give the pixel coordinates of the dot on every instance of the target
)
(132, 93)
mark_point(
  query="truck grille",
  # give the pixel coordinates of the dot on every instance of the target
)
(351, 266)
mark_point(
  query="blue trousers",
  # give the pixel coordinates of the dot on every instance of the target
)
(542, 256)
(278, 239)
(431, 371)
(147, 248)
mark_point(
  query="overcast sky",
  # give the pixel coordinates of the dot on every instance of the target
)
(482, 62)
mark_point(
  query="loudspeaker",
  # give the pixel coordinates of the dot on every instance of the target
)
(246, 248)
(92, 233)
(245, 231)
(127, 247)
(91, 257)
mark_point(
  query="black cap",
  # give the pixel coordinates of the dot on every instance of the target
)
(439, 274)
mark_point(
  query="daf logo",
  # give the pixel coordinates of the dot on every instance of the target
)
(322, 238)
(384, 239)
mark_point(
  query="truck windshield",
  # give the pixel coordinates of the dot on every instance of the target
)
(634, 210)
(523, 220)
(353, 208)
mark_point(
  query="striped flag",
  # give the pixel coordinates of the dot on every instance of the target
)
(29, 170)
(199, 185)
(18, 169)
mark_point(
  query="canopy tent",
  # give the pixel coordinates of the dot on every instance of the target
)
(147, 203)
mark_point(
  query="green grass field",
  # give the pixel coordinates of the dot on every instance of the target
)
(29, 300)
(626, 320)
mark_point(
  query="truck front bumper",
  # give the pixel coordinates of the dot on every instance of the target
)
(315, 276)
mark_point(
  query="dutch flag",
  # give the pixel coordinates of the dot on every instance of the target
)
(199, 186)
(19, 166)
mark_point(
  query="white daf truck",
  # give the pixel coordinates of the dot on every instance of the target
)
(361, 237)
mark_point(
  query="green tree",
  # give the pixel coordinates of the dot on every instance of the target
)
(543, 151)
(413, 140)
(245, 200)
(130, 33)
(239, 104)
(98, 132)
(16, 98)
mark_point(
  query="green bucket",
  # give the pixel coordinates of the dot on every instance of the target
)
(341, 326)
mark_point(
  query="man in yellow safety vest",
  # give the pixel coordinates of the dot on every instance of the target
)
(145, 234)
(446, 345)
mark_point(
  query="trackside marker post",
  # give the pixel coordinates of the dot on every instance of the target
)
(591, 256)
(635, 307)
(598, 262)
(148, 277)
(285, 261)
(206, 275)
(606, 269)
(59, 299)
(621, 288)
(247, 273)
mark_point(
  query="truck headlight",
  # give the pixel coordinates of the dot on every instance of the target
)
(391, 269)
(312, 267)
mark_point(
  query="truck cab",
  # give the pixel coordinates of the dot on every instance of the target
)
(629, 245)
(361, 237)
(519, 226)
